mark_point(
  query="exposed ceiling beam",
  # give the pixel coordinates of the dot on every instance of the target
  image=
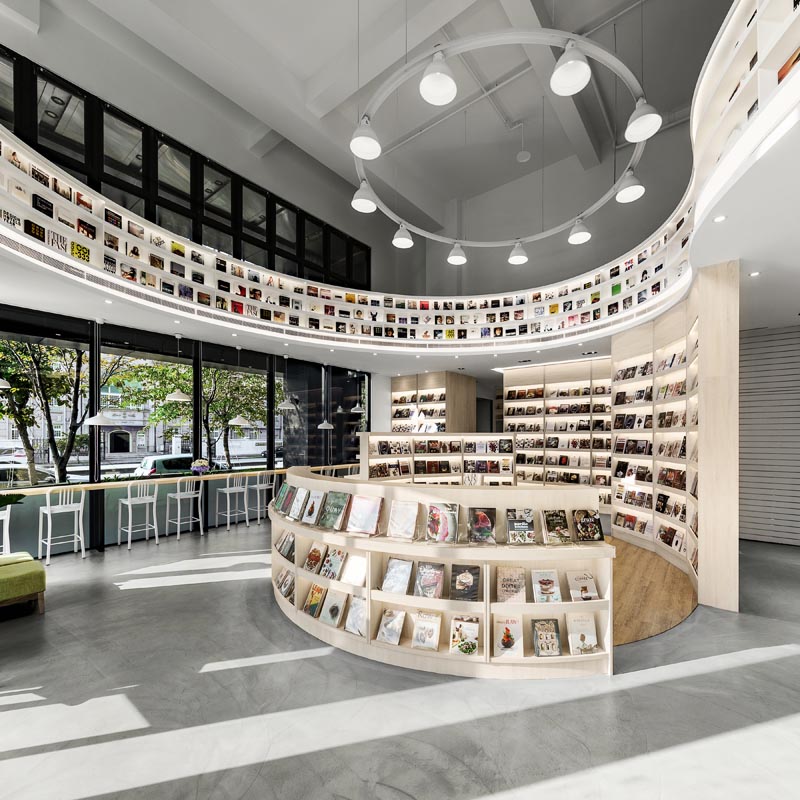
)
(22, 12)
(523, 15)
(263, 140)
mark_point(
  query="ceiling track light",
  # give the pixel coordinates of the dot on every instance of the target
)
(571, 73)
(402, 238)
(643, 123)
(364, 144)
(630, 188)
(438, 86)
(457, 256)
(579, 234)
(518, 255)
(364, 200)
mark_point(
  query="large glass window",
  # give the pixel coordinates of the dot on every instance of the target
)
(255, 254)
(174, 173)
(6, 91)
(285, 227)
(133, 202)
(219, 240)
(360, 265)
(179, 224)
(302, 439)
(217, 193)
(314, 250)
(288, 266)
(348, 391)
(60, 116)
(122, 149)
(254, 213)
(338, 246)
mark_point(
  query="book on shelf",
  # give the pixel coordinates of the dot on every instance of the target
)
(285, 582)
(403, 519)
(510, 585)
(333, 608)
(364, 514)
(546, 637)
(464, 582)
(355, 570)
(581, 633)
(285, 545)
(288, 499)
(520, 526)
(299, 503)
(313, 603)
(333, 563)
(546, 588)
(555, 527)
(442, 522)
(356, 621)
(581, 585)
(481, 525)
(426, 630)
(281, 496)
(315, 557)
(391, 626)
(429, 580)
(508, 637)
(397, 576)
(334, 511)
(588, 527)
(313, 509)
(464, 632)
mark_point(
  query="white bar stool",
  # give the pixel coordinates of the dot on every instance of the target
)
(64, 503)
(235, 486)
(140, 493)
(262, 482)
(187, 490)
(5, 521)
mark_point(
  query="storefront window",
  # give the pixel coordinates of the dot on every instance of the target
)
(122, 149)
(60, 116)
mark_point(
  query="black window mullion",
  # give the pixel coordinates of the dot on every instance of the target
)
(25, 100)
(196, 199)
(150, 171)
(237, 210)
(93, 123)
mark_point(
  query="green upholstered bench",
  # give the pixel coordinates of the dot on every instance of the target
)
(21, 579)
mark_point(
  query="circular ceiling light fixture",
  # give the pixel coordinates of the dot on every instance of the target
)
(630, 188)
(457, 256)
(402, 238)
(518, 255)
(364, 144)
(438, 86)
(364, 200)
(571, 73)
(579, 234)
(523, 157)
(643, 123)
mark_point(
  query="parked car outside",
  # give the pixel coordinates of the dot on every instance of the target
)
(166, 465)
(14, 475)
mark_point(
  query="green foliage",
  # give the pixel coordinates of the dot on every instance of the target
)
(11, 499)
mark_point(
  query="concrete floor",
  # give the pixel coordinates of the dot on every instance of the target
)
(135, 684)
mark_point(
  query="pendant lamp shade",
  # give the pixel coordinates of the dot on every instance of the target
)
(99, 420)
(402, 239)
(325, 426)
(364, 200)
(571, 73)
(178, 397)
(4, 384)
(643, 123)
(518, 255)
(630, 188)
(365, 144)
(438, 86)
(579, 234)
(457, 256)
(239, 422)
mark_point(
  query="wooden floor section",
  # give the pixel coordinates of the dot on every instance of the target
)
(650, 595)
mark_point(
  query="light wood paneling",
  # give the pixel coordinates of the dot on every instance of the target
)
(461, 403)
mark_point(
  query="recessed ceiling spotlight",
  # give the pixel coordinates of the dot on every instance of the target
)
(456, 356)
(59, 101)
(495, 355)
(417, 356)
(51, 114)
(109, 301)
(234, 334)
(754, 274)
(720, 218)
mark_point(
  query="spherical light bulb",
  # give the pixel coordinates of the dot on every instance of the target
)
(364, 200)
(402, 238)
(518, 255)
(523, 157)
(457, 255)
(438, 86)
(643, 123)
(630, 188)
(579, 234)
(364, 143)
(571, 73)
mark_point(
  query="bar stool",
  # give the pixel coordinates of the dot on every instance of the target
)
(261, 482)
(187, 489)
(235, 486)
(140, 493)
(64, 503)
(5, 521)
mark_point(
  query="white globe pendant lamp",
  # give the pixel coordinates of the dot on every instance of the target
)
(643, 123)
(364, 200)
(457, 256)
(630, 188)
(518, 255)
(571, 73)
(402, 238)
(438, 86)
(579, 234)
(364, 144)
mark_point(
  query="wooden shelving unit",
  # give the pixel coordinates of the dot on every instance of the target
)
(433, 402)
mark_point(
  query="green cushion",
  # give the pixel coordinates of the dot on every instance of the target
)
(21, 579)
(15, 558)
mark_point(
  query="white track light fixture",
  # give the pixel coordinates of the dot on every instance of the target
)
(364, 200)
(579, 234)
(571, 73)
(402, 239)
(630, 188)
(518, 255)
(364, 143)
(438, 86)
(643, 123)
(457, 256)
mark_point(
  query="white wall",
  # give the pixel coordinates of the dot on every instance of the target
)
(380, 403)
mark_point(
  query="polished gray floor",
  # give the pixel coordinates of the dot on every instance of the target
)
(136, 684)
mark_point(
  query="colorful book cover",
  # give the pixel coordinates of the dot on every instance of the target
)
(332, 565)
(508, 637)
(546, 638)
(427, 629)
(555, 527)
(430, 579)
(397, 577)
(313, 604)
(510, 585)
(286, 546)
(442, 522)
(299, 503)
(333, 608)
(364, 514)
(288, 499)
(581, 633)
(391, 626)
(588, 527)
(334, 511)
(582, 586)
(279, 498)
(356, 622)
(545, 584)
(285, 583)
(464, 633)
(464, 582)
(403, 519)
(315, 557)
(314, 506)
(520, 527)
(355, 570)
(480, 525)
